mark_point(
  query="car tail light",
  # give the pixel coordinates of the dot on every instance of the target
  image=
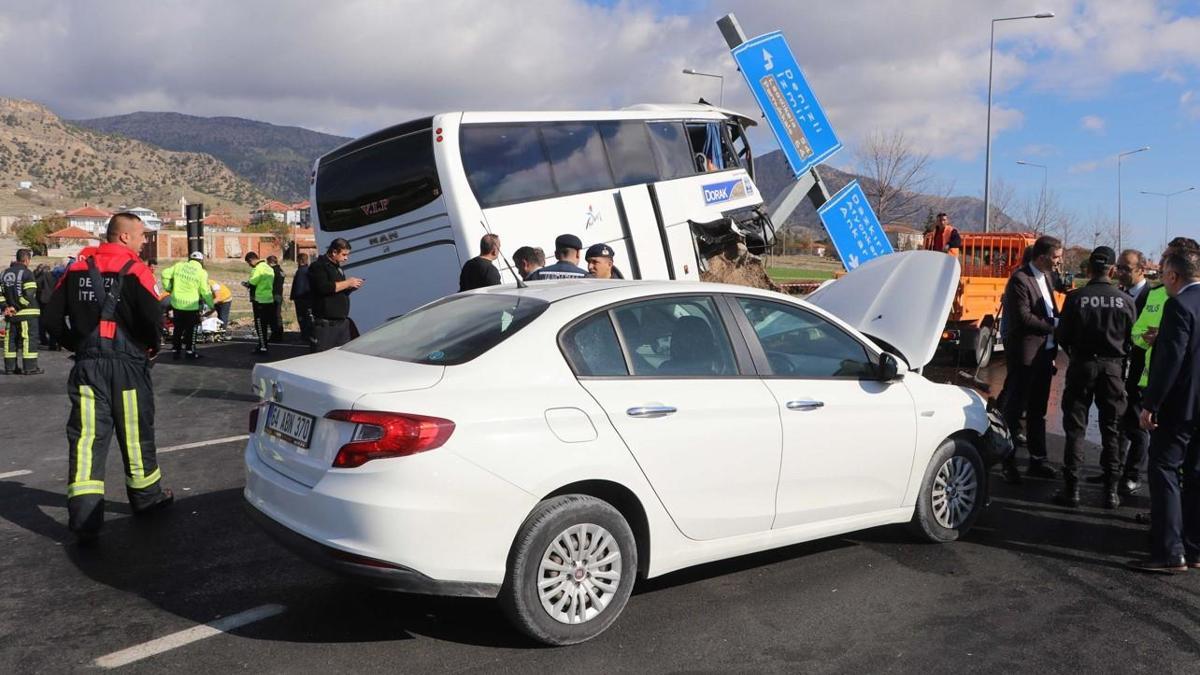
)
(385, 434)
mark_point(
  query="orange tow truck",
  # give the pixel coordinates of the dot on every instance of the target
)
(988, 260)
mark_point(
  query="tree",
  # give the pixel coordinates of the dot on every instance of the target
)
(34, 234)
(897, 175)
(281, 231)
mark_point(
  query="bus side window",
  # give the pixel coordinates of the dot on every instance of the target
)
(505, 163)
(577, 157)
(629, 152)
(671, 150)
(707, 146)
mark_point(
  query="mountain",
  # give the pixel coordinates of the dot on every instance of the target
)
(772, 174)
(276, 159)
(68, 165)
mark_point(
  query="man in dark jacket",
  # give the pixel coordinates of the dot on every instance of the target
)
(1095, 332)
(1131, 273)
(1171, 412)
(1029, 352)
(106, 310)
(277, 292)
(481, 270)
(330, 290)
(301, 297)
(566, 249)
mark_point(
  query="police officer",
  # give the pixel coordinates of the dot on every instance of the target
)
(1094, 328)
(262, 298)
(187, 282)
(600, 265)
(22, 311)
(566, 250)
(105, 309)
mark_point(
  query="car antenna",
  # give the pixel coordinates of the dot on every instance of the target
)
(520, 282)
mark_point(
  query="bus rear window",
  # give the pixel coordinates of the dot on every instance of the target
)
(380, 181)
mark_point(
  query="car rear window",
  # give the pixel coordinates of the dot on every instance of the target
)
(451, 331)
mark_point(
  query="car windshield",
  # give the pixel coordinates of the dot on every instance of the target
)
(451, 331)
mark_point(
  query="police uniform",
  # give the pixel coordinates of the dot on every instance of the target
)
(21, 302)
(1094, 329)
(561, 269)
(105, 309)
(187, 282)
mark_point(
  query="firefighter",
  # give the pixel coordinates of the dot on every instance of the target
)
(22, 310)
(1094, 329)
(105, 309)
(187, 282)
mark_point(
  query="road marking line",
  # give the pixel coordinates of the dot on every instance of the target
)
(201, 444)
(14, 474)
(186, 637)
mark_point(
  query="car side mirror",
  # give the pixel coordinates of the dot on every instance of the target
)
(889, 368)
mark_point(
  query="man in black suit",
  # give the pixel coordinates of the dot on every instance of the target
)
(1029, 352)
(1171, 411)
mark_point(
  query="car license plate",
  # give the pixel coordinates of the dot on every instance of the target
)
(290, 425)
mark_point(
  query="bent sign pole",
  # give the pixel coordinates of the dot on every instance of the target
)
(803, 148)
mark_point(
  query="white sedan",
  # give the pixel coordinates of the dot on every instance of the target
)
(549, 445)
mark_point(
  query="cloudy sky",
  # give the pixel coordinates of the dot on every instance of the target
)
(1100, 78)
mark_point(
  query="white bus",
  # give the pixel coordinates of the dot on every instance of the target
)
(660, 184)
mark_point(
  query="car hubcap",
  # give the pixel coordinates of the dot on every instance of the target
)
(955, 489)
(579, 573)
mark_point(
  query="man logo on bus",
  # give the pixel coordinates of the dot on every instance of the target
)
(594, 217)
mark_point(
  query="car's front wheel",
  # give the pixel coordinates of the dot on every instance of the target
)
(570, 571)
(952, 492)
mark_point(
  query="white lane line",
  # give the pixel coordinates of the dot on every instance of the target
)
(201, 444)
(14, 474)
(186, 637)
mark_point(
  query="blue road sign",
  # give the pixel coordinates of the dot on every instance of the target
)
(853, 227)
(791, 108)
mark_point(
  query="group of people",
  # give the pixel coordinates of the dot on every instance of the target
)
(531, 264)
(320, 291)
(1134, 351)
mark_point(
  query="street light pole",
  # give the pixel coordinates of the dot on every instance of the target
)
(1167, 216)
(987, 163)
(1119, 157)
(693, 71)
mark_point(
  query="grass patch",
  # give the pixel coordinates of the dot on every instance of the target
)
(798, 274)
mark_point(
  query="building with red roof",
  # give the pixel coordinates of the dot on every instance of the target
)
(88, 217)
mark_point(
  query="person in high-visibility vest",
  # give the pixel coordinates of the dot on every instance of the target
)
(943, 238)
(262, 296)
(187, 282)
(22, 311)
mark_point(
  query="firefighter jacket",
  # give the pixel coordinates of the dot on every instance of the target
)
(20, 291)
(74, 313)
(187, 282)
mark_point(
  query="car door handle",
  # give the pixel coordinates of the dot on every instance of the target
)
(805, 405)
(651, 411)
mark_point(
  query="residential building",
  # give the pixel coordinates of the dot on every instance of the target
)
(88, 218)
(150, 218)
(270, 209)
(903, 237)
(298, 214)
(70, 241)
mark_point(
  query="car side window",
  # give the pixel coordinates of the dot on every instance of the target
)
(676, 337)
(592, 348)
(801, 344)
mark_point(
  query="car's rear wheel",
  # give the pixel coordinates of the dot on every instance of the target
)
(952, 492)
(571, 570)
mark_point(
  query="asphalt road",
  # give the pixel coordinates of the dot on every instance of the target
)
(1033, 588)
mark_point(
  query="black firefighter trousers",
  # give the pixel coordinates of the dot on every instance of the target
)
(20, 344)
(110, 394)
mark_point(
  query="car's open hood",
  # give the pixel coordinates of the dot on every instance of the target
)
(901, 300)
